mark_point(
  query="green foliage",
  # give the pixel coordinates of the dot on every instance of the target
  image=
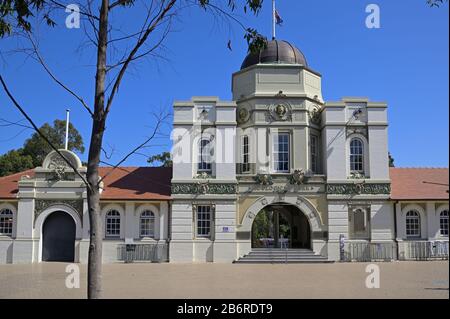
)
(163, 159)
(37, 148)
(256, 42)
(436, 3)
(15, 161)
(16, 14)
(262, 226)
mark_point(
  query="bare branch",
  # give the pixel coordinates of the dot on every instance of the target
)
(159, 122)
(63, 6)
(17, 105)
(50, 73)
(133, 52)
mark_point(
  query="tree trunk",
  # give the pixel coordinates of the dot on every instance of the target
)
(95, 146)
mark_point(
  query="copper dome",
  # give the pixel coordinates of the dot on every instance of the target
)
(277, 51)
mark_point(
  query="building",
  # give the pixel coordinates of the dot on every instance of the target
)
(278, 167)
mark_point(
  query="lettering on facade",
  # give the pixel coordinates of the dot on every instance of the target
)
(359, 189)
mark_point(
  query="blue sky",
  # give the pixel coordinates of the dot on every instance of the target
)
(405, 63)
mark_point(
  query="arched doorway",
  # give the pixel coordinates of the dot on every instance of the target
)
(281, 226)
(58, 233)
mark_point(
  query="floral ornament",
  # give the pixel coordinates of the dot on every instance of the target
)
(264, 179)
(297, 177)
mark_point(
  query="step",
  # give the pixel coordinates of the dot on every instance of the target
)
(281, 256)
(268, 261)
(282, 253)
(284, 257)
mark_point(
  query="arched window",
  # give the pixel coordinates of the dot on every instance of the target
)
(112, 223)
(147, 224)
(204, 156)
(6, 222)
(356, 156)
(443, 223)
(412, 224)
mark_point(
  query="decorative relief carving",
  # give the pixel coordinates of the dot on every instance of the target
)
(280, 112)
(357, 130)
(204, 188)
(315, 114)
(243, 115)
(42, 204)
(297, 177)
(264, 179)
(359, 189)
(356, 175)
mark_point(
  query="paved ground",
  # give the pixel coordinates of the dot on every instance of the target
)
(347, 280)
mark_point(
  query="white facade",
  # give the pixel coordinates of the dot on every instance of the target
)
(319, 169)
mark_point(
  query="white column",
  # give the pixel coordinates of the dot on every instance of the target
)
(432, 221)
(401, 232)
(163, 220)
(25, 217)
(130, 224)
(23, 244)
(86, 226)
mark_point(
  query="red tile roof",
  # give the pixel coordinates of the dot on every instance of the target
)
(124, 183)
(417, 183)
(146, 183)
(153, 183)
(9, 184)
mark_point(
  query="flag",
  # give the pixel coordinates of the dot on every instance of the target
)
(278, 19)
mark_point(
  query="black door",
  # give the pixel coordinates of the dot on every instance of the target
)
(59, 238)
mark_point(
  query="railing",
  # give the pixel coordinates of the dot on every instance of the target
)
(365, 252)
(143, 252)
(424, 250)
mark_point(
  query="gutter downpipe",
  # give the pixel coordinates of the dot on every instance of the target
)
(395, 229)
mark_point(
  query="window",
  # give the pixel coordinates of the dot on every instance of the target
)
(245, 155)
(356, 156)
(147, 222)
(204, 156)
(314, 154)
(359, 221)
(204, 215)
(412, 224)
(112, 223)
(281, 153)
(359, 225)
(6, 222)
(443, 223)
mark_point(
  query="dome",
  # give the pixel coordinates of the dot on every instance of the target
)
(277, 51)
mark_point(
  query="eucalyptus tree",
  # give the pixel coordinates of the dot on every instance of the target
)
(103, 22)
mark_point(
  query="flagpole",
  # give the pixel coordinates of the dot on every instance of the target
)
(66, 146)
(273, 21)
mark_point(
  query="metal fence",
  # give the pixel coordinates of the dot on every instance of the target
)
(364, 252)
(143, 252)
(425, 250)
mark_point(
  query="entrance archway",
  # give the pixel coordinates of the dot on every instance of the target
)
(58, 243)
(281, 226)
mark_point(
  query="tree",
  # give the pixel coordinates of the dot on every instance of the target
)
(436, 3)
(163, 159)
(107, 37)
(15, 161)
(37, 148)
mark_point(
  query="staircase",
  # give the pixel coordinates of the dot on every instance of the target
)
(281, 256)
